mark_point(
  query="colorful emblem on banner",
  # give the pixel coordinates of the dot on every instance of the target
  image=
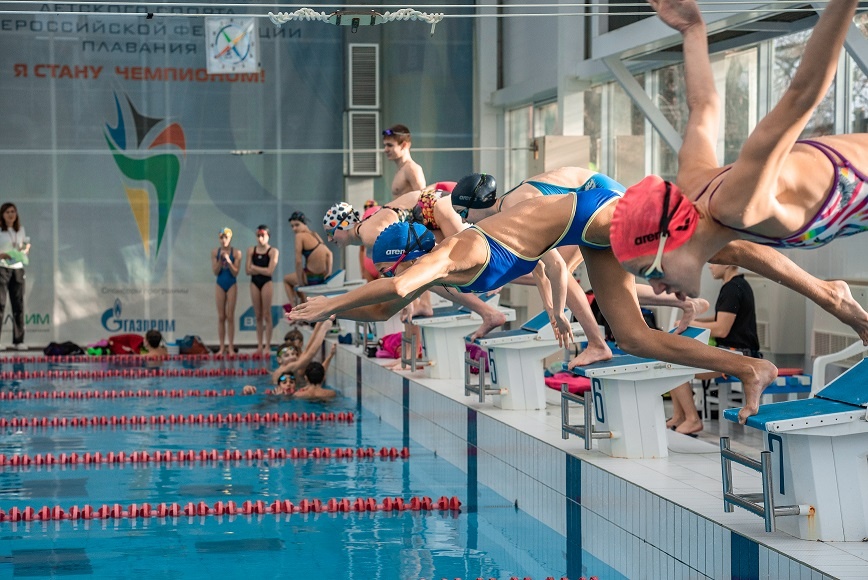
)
(232, 45)
(149, 155)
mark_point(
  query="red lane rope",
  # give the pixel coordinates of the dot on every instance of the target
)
(200, 419)
(128, 358)
(115, 394)
(204, 455)
(146, 510)
(136, 373)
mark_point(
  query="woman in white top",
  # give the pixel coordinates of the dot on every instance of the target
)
(14, 247)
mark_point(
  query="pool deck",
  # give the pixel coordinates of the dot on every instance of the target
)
(668, 512)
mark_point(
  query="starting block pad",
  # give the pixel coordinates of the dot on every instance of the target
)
(443, 336)
(819, 454)
(337, 282)
(626, 393)
(515, 361)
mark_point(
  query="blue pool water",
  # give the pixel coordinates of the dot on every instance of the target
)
(489, 538)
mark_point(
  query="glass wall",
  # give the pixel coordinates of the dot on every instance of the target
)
(518, 136)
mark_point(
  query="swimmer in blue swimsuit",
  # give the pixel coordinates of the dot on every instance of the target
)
(225, 263)
(474, 198)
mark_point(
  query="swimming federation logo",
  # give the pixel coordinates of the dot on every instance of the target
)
(149, 156)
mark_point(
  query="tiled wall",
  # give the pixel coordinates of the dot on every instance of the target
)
(636, 532)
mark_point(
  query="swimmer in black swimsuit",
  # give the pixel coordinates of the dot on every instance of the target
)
(313, 259)
(261, 261)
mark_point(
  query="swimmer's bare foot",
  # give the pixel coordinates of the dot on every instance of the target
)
(592, 353)
(764, 373)
(220, 353)
(690, 426)
(491, 319)
(847, 310)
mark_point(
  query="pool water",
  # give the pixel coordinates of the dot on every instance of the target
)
(489, 537)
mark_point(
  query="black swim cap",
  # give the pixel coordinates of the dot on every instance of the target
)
(475, 191)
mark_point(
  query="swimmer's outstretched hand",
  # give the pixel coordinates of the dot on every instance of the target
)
(563, 329)
(678, 14)
(314, 310)
(691, 308)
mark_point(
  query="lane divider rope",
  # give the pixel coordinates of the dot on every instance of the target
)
(162, 510)
(204, 455)
(129, 358)
(115, 394)
(137, 373)
(200, 419)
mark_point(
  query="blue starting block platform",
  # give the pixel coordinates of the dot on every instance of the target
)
(815, 463)
(515, 362)
(443, 336)
(624, 408)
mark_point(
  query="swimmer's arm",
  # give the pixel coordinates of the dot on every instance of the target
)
(328, 359)
(689, 308)
(248, 263)
(235, 266)
(748, 194)
(314, 344)
(720, 326)
(215, 262)
(447, 218)
(415, 176)
(330, 261)
(299, 263)
(617, 301)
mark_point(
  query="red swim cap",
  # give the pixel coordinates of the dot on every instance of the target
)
(639, 215)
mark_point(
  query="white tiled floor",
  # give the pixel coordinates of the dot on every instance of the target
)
(690, 480)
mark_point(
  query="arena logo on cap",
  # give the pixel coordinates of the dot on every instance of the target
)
(647, 238)
(394, 252)
(148, 164)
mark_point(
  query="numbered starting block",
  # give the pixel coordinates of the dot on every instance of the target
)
(515, 360)
(624, 407)
(815, 466)
(336, 283)
(443, 336)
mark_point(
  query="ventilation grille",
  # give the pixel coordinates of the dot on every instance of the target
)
(762, 333)
(364, 150)
(830, 342)
(364, 81)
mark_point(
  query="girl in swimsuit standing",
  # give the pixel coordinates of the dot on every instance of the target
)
(313, 260)
(780, 192)
(225, 263)
(261, 261)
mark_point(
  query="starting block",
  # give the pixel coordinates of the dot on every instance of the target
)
(814, 464)
(336, 283)
(625, 403)
(515, 360)
(443, 336)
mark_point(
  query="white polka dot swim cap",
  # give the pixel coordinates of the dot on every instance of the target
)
(340, 216)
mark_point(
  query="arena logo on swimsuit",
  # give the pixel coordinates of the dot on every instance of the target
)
(112, 321)
(148, 154)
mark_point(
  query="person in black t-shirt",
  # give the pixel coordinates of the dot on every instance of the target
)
(733, 327)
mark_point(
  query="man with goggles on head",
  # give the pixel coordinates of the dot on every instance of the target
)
(409, 175)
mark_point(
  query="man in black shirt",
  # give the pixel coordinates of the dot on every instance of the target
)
(733, 327)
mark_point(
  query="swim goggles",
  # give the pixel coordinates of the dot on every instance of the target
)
(655, 270)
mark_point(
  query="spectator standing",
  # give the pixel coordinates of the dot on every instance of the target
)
(14, 251)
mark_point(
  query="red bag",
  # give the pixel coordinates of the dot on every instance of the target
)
(126, 343)
(476, 354)
(390, 346)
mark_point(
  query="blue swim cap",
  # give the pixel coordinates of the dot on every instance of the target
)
(401, 238)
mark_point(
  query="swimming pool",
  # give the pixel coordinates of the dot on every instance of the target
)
(488, 537)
